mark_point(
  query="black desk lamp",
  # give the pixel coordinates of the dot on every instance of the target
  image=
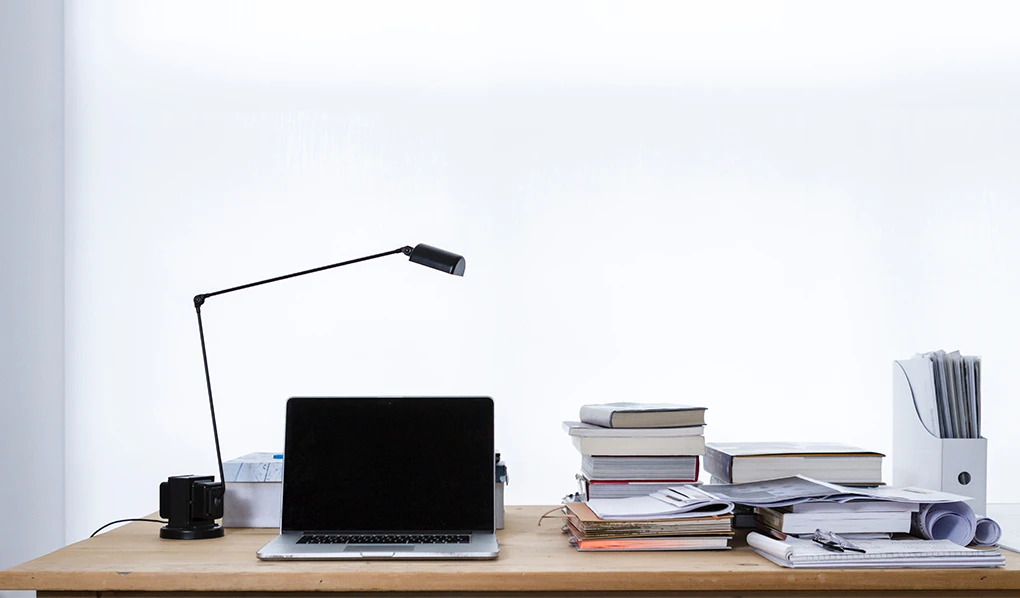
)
(191, 503)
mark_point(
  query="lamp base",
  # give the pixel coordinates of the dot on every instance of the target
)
(200, 533)
(191, 505)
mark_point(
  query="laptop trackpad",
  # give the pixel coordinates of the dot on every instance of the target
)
(380, 548)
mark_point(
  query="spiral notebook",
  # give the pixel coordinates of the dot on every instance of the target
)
(879, 554)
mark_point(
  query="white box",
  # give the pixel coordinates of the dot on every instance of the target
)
(253, 496)
(922, 459)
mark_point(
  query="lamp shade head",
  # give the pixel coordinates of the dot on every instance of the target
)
(437, 258)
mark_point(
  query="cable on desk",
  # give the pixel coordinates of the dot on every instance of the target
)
(124, 520)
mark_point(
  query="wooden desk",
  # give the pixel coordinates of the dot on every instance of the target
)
(132, 561)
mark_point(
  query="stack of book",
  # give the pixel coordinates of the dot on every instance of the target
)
(741, 462)
(665, 530)
(635, 449)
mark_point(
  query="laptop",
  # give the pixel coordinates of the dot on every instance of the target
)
(387, 478)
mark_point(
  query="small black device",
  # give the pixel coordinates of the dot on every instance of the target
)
(191, 504)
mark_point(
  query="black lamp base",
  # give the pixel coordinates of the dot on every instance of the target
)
(191, 504)
(200, 533)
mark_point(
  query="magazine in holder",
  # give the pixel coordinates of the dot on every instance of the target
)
(920, 457)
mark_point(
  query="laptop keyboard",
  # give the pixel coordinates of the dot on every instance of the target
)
(384, 539)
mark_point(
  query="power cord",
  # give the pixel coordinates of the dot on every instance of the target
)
(124, 520)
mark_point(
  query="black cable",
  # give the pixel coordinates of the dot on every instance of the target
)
(122, 521)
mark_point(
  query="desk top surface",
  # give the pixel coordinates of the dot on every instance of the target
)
(532, 558)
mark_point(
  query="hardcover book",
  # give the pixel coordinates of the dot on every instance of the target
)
(642, 415)
(738, 462)
(651, 446)
(841, 523)
(640, 468)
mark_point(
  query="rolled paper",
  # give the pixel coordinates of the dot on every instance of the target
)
(987, 532)
(953, 521)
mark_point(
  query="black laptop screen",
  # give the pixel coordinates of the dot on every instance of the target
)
(378, 464)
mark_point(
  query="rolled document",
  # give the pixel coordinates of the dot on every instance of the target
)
(953, 521)
(987, 532)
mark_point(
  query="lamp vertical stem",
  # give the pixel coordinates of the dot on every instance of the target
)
(208, 385)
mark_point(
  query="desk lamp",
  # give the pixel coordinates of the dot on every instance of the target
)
(191, 503)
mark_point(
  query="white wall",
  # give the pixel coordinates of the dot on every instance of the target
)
(32, 275)
(756, 207)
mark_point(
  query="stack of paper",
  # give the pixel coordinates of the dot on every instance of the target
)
(692, 531)
(683, 501)
(800, 489)
(949, 401)
(800, 505)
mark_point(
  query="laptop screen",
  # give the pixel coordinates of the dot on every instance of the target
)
(389, 464)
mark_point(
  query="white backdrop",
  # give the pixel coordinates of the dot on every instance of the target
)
(754, 207)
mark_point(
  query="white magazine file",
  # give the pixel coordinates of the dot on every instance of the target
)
(923, 459)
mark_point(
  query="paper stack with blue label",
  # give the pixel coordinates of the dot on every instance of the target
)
(634, 449)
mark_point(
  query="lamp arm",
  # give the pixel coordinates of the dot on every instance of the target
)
(200, 300)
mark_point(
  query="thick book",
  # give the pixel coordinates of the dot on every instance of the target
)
(640, 468)
(850, 522)
(650, 446)
(739, 462)
(642, 415)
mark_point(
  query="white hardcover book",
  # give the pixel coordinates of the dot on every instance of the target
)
(640, 468)
(642, 415)
(840, 523)
(650, 446)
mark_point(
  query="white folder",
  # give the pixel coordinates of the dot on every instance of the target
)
(920, 457)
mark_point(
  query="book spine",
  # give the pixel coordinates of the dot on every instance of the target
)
(770, 518)
(719, 464)
(633, 447)
(596, 416)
